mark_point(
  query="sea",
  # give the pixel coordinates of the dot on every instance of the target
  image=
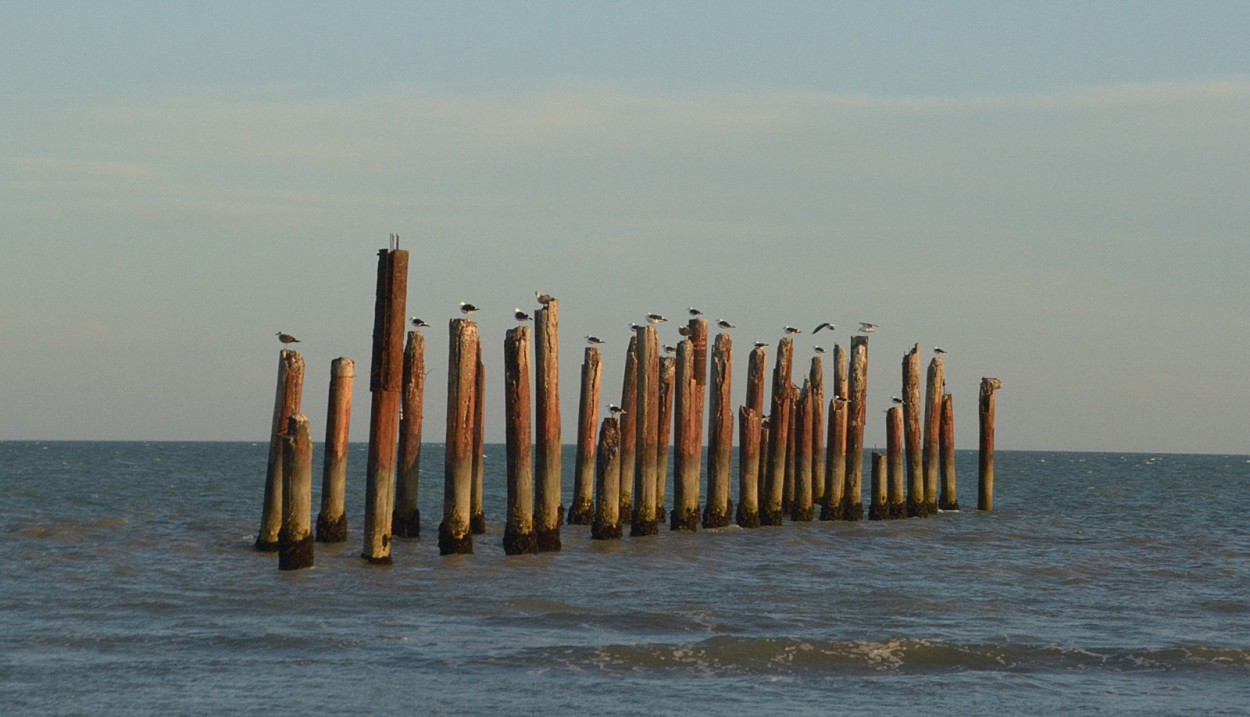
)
(1100, 584)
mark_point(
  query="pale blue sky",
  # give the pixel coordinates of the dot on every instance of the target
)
(1055, 192)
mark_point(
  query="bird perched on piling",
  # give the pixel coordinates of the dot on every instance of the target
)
(819, 349)
(466, 308)
(683, 330)
(725, 324)
(867, 328)
(939, 350)
(655, 318)
(418, 323)
(790, 330)
(824, 325)
(694, 312)
(840, 399)
(635, 326)
(760, 344)
(897, 401)
(615, 410)
(543, 299)
(286, 338)
(520, 315)
(593, 340)
(670, 349)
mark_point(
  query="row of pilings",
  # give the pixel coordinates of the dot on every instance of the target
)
(805, 454)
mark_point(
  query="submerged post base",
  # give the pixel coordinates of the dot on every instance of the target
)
(582, 513)
(684, 519)
(449, 544)
(599, 531)
(548, 541)
(747, 518)
(477, 524)
(406, 526)
(297, 554)
(717, 519)
(331, 531)
(519, 543)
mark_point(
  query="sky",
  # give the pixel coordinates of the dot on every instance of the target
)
(1057, 193)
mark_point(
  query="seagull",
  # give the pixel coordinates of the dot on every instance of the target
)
(466, 308)
(792, 330)
(694, 312)
(725, 324)
(683, 330)
(615, 410)
(286, 338)
(760, 344)
(635, 326)
(670, 349)
(840, 399)
(867, 328)
(543, 299)
(824, 325)
(418, 323)
(520, 315)
(655, 318)
(593, 340)
(939, 350)
(819, 349)
(897, 401)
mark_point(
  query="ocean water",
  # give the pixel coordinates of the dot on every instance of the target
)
(1101, 584)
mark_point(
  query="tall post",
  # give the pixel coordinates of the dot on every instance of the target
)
(286, 404)
(295, 546)
(685, 515)
(386, 378)
(477, 513)
(607, 525)
(935, 386)
(748, 515)
(912, 412)
(582, 511)
(877, 507)
(647, 429)
(948, 500)
(518, 536)
(985, 460)
(454, 533)
(698, 342)
(896, 502)
(668, 377)
(835, 462)
(756, 366)
(817, 378)
(629, 431)
(778, 435)
(801, 508)
(787, 497)
(407, 519)
(332, 519)
(857, 393)
(547, 508)
(718, 511)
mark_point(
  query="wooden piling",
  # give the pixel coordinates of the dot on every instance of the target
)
(748, 514)
(668, 377)
(647, 428)
(857, 393)
(629, 431)
(698, 342)
(817, 378)
(332, 518)
(801, 508)
(948, 500)
(286, 404)
(406, 522)
(877, 509)
(685, 515)
(518, 535)
(386, 378)
(912, 411)
(772, 509)
(582, 512)
(295, 543)
(454, 534)
(835, 462)
(985, 459)
(718, 511)
(787, 498)
(547, 450)
(477, 512)
(756, 366)
(761, 475)
(935, 387)
(607, 525)
(896, 500)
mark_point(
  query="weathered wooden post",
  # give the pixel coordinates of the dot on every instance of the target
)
(698, 342)
(896, 501)
(935, 387)
(628, 421)
(748, 515)
(295, 544)
(835, 462)
(386, 380)
(801, 508)
(582, 511)
(877, 509)
(286, 404)
(787, 498)
(547, 466)
(477, 513)
(685, 515)
(817, 378)
(454, 533)
(668, 377)
(911, 433)
(406, 522)
(778, 436)
(761, 475)
(647, 428)
(985, 460)
(607, 525)
(857, 393)
(332, 518)
(518, 535)
(718, 511)
(756, 366)
(948, 500)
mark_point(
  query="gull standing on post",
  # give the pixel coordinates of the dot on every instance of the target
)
(867, 328)
(286, 338)
(725, 324)
(543, 299)
(466, 308)
(418, 323)
(520, 315)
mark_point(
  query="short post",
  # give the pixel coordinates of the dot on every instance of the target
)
(911, 433)
(935, 387)
(406, 522)
(896, 501)
(877, 509)
(629, 431)
(295, 546)
(454, 534)
(547, 449)
(332, 519)
(857, 392)
(985, 460)
(778, 436)
(748, 515)
(685, 515)
(647, 428)
(948, 500)
(668, 378)
(718, 511)
(756, 366)
(286, 404)
(477, 514)
(582, 511)
(817, 378)
(607, 525)
(386, 377)
(518, 535)
(787, 497)
(835, 462)
(801, 508)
